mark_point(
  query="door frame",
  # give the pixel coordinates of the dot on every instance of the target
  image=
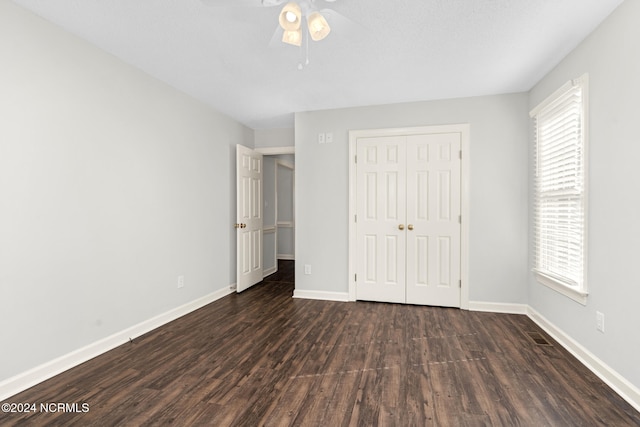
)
(464, 130)
(286, 224)
(275, 151)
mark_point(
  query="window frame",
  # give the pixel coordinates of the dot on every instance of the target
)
(576, 290)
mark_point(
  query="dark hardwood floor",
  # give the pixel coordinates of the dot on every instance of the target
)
(264, 358)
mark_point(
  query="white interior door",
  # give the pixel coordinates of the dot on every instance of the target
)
(433, 219)
(249, 217)
(408, 191)
(381, 183)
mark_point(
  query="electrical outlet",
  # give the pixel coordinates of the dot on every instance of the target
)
(600, 321)
(321, 138)
(307, 269)
(180, 281)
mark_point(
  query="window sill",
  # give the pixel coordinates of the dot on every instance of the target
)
(556, 285)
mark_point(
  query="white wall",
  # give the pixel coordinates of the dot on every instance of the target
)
(611, 56)
(498, 204)
(110, 187)
(265, 138)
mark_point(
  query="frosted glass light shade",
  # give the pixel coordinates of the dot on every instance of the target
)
(293, 37)
(290, 17)
(318, 26)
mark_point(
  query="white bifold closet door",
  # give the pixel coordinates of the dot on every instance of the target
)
(408, 219)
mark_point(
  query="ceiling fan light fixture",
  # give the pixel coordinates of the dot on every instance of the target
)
(293, 37)
(290, 17)
(318, 26)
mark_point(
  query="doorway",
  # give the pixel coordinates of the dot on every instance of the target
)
(279, 210)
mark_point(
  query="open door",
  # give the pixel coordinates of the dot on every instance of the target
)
(249, 217)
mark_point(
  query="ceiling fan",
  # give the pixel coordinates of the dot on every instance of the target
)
(292, 16)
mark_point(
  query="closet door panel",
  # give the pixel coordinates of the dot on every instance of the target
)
(381, 207)
(433, 227)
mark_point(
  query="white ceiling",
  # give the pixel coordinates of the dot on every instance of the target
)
(393, 51)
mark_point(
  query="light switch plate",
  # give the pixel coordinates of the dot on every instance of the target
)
(329, 137)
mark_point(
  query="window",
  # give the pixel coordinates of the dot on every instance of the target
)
(560, 198)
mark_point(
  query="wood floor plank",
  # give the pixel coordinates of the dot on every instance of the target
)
(263, 358)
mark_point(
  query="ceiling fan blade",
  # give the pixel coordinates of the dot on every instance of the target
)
(272, 2)
(228, 3)
(276, 39)
(242, 3)
(341, 24)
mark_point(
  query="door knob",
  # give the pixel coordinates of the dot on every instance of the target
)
(401, 227)
(410, 226)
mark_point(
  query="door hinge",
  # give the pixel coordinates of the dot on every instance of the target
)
(460, 154)
(459, 219)
(355, 277)
(460, 283)
(355, 159)
(355, 218)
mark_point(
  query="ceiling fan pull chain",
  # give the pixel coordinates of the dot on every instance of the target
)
(306, 42)
(304, 51)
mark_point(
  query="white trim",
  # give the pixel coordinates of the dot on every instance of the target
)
(274, 151)
(582, 80)
(562, 288)
(498, 307)
(353, 238)
(269, 229)
(464, 129)
(285, 224)
(27, 379)
(613, 379)
(580, 292)
(321, 295)
(465, 213)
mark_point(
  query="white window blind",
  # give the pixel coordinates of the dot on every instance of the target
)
(560, 187)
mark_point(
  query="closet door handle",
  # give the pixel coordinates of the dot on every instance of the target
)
(410, 226)
(401, 227)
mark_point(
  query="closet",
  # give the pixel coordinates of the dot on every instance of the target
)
(408, 218)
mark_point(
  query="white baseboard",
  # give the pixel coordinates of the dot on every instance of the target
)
(498, 307)
(617, 382)
(287, 257)
(25, 380)
(321, 295)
